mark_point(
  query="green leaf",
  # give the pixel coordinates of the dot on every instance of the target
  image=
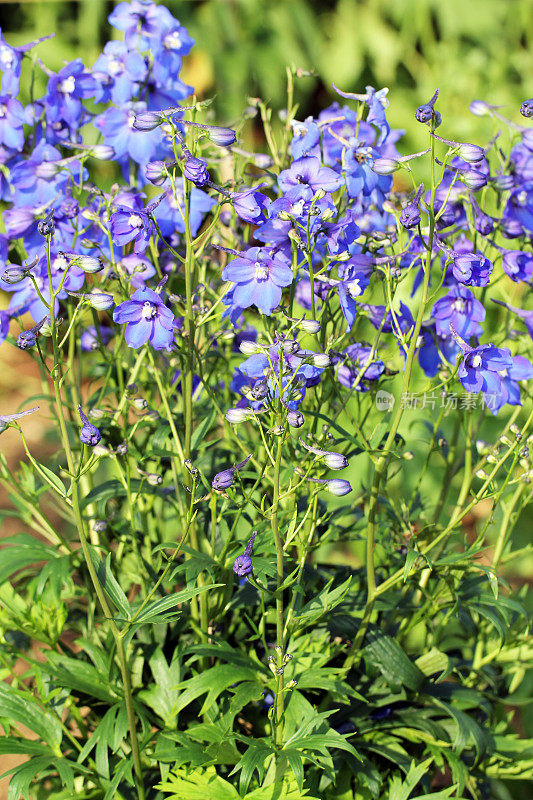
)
(110, 489)
(202, 430)
(155, 612)
(22, 551)
(211, 682)
(109, 583)
(22, 708)
(391, 660)
(195, 784)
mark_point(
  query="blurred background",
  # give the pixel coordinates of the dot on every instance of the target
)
(470, 49)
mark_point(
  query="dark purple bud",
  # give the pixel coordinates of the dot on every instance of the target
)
(223, 480)
(424, 112)
(122, 449)
(526, 109)
(46, 226)
(156, 172)
(243, 563)
(410, 215)
(28, 339)
(295, 419)
(511, 228)
(147, 121)
(89, 433)
(195, 170)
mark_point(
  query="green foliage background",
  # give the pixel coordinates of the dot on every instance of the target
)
(474, 49)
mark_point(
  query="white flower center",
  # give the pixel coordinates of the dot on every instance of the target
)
(261, 271)
(115, 66)
(458, 305)
(504, 373)
(297, 208)
(135, 221)
(67, 86)
(149, 310)
(477, 361)
(131, 119)
(353, 288)
(3, 109)
(172, 41)
(6, 57)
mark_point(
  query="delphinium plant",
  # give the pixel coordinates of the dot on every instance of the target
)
(279, 387)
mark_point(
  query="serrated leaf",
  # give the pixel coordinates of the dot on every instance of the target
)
(109, 584)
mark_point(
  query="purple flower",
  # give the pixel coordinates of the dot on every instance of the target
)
(259, 274)
(425, 112)
(118, 71)
(195, 170)
(520, 370)
(11, 62)
(250, 205)
(243, 563)
(66, 90)
(472, 269)
(460, 310)
(12, 118)
(138, 269)
(147, 320)
(305, 139)
(358, 364)
(410, 214)
(223, 480)
(479, 371)
(89, 339)
(518, 265)
(142, 21)
(129, 225)
(89, 433)
(308, 171)
(117, 128)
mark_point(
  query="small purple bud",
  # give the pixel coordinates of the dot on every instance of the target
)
(89, 433)
(223, 137)
(28, 339)
(147, 121)
(335, 460)
(473, 178)
(223, 480)
(526, 109)
(338, 487)
(46, 226)
(295, 419)
(156, 172)
(502, 182)
(424, 112)
(243, 563)
(385, 166)
(100, 301)
(103, 152)
(410, 215)
(195, 170)
(14, 275)
(472, 153)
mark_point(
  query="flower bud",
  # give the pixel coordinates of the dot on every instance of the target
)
(338, 487)
(236, 415)
(152, 478)
(473, 178)
(310, 325)
(89, 433)
(223, 137)
(526, 109)
(385, 166)
(320, 360)
(425, 112)
(195, 170)
(47, 170)
(472, 153)
(479, 108)
(14, 274)
(147, 121)
(103, 152)
(335, 460)
(156, 172)
(295, 418)
(250, 348)
(100, 300)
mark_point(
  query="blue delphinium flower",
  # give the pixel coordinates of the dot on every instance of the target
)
(259, 274)
(520, 370)
(89, 433)
(460, 310)
(12, 119)
(195, 170)
(358, 366)
(243, 564)
(308, 171)
(481, 367)
(141, 20)
(410, 214)
(11, 63)
(118, 73)
(250, 205)
(147, 320)
(472, 269)
(518, 265)
(65, 92)
(129, 225)
(116, 127)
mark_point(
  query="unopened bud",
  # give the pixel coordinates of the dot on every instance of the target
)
(250, 348)
(236, 415)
